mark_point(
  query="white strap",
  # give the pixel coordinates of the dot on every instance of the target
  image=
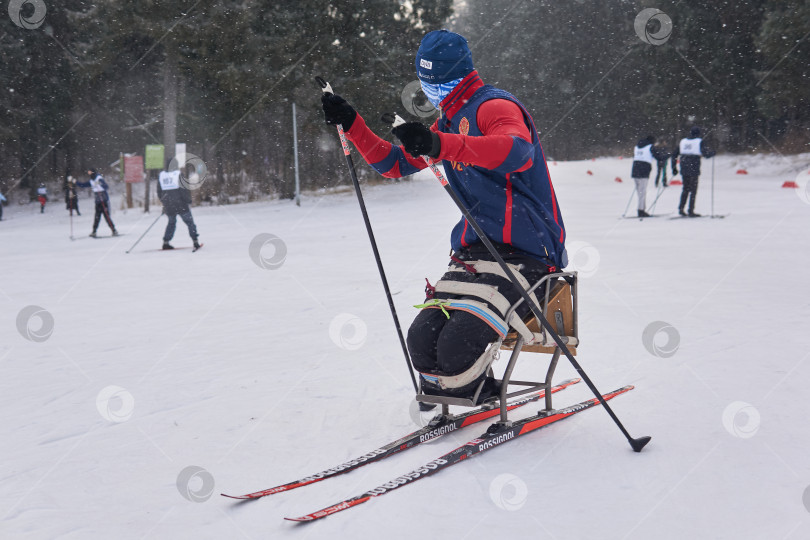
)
(489, 267)
(472, 373)
(482, 311)
(544, 338)
(488, 293)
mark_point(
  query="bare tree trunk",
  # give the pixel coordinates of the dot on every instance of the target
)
(220, 178)
(169, 111)
(170, 102)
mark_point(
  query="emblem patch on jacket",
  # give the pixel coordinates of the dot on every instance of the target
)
(464, 126)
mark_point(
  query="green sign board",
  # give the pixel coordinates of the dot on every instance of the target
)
(154, 156)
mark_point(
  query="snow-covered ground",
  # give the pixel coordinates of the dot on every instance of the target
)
(162, 361)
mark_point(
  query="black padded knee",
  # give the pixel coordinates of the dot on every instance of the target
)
(462, 341)
(422, 337)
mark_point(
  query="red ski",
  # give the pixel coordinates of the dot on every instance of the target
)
(495, 436)
(438, 427)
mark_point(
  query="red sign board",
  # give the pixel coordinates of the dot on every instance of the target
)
(133, 169)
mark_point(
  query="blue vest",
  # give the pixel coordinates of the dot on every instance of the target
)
(519, 209)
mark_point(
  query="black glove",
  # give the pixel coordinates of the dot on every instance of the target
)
(418, 140)
(674, 171)
(338, 111)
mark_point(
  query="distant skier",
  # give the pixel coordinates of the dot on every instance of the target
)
(2, 200)
(42, 197)
(644, 155)
(690, 150)
(176, 200)
(493, 160)
(102, 198)
(71, 198)
(661, 170)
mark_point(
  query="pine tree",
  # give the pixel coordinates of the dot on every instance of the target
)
(35, 96)
(784, 76)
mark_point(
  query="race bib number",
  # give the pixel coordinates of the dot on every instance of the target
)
(169, 180)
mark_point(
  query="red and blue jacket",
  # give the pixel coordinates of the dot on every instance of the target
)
(493, 161)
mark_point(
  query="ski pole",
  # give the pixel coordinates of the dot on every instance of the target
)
(638, 443)
(327, 89)
(712, 187)
(660, 192)
(144, 233)
(626, 208)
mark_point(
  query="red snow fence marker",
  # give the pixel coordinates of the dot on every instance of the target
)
(676, 183)
(590, 173)
(790, 184)
(742, 171)
(617, 179)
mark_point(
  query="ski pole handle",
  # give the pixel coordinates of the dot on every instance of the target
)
(392, 118)
(327, 89)
(396, 120)
(325, 86)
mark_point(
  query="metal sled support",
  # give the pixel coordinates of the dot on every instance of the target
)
(559, 305)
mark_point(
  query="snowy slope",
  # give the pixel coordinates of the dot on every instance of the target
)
(227, 366)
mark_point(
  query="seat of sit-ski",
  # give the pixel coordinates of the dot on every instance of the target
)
(559, 313)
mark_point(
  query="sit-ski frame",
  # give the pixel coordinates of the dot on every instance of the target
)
(547, 282)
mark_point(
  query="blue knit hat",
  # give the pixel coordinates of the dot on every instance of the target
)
(442, 57)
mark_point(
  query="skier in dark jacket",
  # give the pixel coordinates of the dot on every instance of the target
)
(71, 198)
(690, 150)
(99, 187)
(493, 160)
(644, 155)
(176, 200)
(661, 171)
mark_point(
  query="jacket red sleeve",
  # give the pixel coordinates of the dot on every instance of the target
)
(388, 160)
(505, 145)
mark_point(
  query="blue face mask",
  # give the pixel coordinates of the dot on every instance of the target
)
(437, 92)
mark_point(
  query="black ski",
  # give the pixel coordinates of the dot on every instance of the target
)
(487, 441)
(180, 248)
(715, 216)
(438, 427)
(644, 217)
